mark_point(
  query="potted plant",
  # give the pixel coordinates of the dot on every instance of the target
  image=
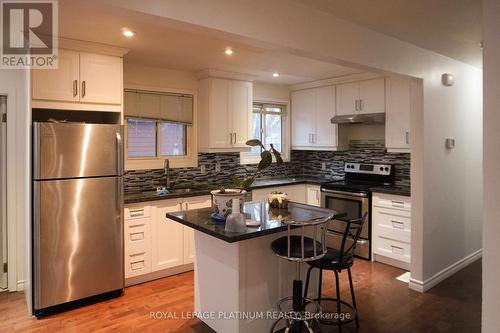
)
(223, 198)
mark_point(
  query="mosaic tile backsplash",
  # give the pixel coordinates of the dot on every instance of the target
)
(302, 164)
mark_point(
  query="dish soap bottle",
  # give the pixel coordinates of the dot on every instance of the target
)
(235, 222)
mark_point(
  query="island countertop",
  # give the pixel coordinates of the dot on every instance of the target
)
(272, 220)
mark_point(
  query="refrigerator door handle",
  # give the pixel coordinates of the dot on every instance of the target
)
(119, 153)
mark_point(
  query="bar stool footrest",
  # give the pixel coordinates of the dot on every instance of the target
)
(336, 322)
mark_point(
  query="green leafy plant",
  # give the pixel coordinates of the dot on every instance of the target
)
(266, 159)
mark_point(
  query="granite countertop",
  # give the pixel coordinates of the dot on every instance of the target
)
(272, 220)
(396, 190)
(205, 189)
(259, 183)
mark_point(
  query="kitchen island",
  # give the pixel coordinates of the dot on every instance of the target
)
(238, 278)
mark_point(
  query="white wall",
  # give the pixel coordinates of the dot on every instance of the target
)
(14, 83)
(158, 77)
(447, 194)
(270, 92)
(491, 219)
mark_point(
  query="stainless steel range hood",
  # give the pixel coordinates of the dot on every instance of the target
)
(366, 118)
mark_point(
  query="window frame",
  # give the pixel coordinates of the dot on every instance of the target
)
(254, 158)
(182, 161)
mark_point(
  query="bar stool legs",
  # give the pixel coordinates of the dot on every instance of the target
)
(352, 295)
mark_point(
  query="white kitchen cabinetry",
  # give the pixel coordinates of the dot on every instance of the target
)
(137, 239)
(83, 81)
(313, 195)
(397, 118)
(297, 193)
(154, 245)
(391, 223)
(225, 114)
(312, 110)
(361, 97)
(167, 241)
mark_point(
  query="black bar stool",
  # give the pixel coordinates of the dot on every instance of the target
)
(306, 244)
(337, 260)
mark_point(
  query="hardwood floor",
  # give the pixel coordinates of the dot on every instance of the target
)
(385, 305)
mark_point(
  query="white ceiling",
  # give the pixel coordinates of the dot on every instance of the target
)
(156, 43)
(448, 27)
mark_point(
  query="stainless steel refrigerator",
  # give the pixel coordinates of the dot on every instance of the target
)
(77, 213)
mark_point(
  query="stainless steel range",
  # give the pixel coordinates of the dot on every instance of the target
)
(352, 195)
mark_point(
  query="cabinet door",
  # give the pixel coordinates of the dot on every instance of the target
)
(220, 120)
(325, 135)
(347, 95)
(240, 107)
(167, 237)
(372, 96)
(303, 117)
(313, 195)
(101, 79)
(189, 247)
(397, 118)
(60, 84)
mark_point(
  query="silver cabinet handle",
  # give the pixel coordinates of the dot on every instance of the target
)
(137, 213)
(231, 138)
(234, 137)
(119, 153)
(398, 224)
(360, 105)
(83, 88)
(356, 104)
(75, 88)
(400, 204)
(407, 137)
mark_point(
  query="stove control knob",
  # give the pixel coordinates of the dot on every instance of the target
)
(387, 169)
(381, 168)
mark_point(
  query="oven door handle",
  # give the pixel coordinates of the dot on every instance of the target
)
(345, 193)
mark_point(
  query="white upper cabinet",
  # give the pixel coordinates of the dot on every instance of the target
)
(347, 98)
(361, 97)
(225, 114)
(82, 79)
(312, 110)
(397, 121)
(101, 79)
(372, 96)
(59, 84)
(303, 117)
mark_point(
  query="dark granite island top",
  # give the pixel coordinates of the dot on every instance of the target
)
(272, 220)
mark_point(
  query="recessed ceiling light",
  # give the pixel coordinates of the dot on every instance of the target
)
(228, 51)
(276, 74)
(128, 33)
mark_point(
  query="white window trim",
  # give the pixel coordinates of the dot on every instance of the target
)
(252, 158)
(185, 161)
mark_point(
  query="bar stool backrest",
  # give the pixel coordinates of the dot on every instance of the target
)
(352, 232)
(310, 247)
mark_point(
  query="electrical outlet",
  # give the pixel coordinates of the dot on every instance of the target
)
(323, 166)
(202, 169)
(217, 167)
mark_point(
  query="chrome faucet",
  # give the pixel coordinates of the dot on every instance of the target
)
(166, 172)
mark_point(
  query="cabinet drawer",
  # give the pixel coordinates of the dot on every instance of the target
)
(392, 201)
(137, 211)
(392, 248)
(137, 236)
(390, 224)
(137, 264)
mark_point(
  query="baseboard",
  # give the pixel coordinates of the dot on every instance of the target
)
(158, 274)
(20, 285)
(391, 262)
(423, 286)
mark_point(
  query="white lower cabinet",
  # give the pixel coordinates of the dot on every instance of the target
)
(296, 193)
(391, 223)
(154, 245)
(313, 195)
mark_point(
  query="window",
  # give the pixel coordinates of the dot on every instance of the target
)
(268, 126)
(155, 138)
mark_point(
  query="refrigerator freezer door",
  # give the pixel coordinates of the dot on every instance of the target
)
(78, 239)
(64, 150)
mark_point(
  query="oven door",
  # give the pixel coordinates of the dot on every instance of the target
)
(355, 205)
